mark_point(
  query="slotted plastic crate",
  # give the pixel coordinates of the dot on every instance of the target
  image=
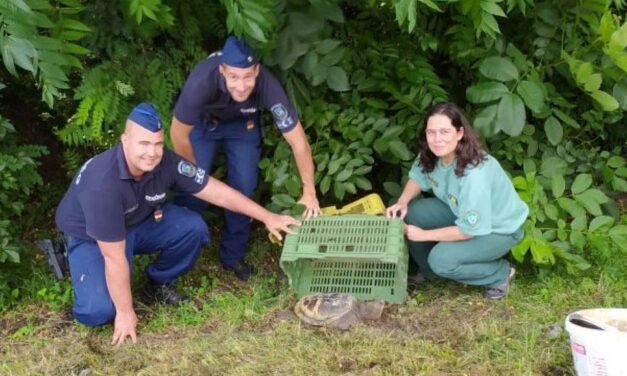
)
(361, 255)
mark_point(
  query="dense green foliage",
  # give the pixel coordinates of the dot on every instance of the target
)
(544, 82)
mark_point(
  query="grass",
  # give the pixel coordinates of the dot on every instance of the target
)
(232, 328)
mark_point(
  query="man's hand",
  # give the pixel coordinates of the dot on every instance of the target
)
(397, 210)
(276, 223)
(312, 207)
(415, 233)
(124, 326)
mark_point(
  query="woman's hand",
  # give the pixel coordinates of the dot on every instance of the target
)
(415, 233)
(397, 210)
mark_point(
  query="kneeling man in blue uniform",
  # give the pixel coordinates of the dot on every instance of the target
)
(116, 208)
(219, 107)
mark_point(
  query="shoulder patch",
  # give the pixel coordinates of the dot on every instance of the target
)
(279, 112)
(200, 175)
(186, 169)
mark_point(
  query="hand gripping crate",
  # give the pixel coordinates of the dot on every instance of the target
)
(362, 255)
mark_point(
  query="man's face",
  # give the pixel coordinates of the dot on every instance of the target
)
(143, 149)
(240, 82)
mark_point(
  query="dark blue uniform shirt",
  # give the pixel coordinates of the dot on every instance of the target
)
(104, 201)
(205, 99)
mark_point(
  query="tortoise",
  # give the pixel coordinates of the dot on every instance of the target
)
(336, 310)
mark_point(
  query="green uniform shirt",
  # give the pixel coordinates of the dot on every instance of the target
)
(484, 199)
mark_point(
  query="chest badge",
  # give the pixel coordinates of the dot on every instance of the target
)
(452, 199)
(250, 125)
(158, 214)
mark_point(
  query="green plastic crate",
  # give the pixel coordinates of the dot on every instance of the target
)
(362, 255)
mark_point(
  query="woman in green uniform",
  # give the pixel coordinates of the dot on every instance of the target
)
(475, 216)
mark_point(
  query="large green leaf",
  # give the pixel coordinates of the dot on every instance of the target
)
(492, 8)
(553, 166)
(558, 185)
(510, 114)
(337, 79)
(577, 239)
(599, 222)
(593, 82)
(541, 252)
(584, 71)
(363, 183)
(566, 119)
(283, 200)
(589, 203)
(486, 92)
(339, 190)
(571, 206)
(619, 235)
(499, 68)
(344, 175)
(581, 183)
(532, 94)
(620, 92)
(553, 130)
(607, 102)
(326, 46)
(485, 121)
(400, 150)
(325, 184)
(330, 10)
(519, 250)
(392, 188)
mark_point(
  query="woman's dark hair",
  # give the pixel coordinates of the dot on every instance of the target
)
(468, 150)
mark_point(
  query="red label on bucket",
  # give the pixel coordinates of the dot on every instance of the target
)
(581, 349)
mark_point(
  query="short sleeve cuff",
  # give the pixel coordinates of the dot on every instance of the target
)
(469, 224)
(416, 174)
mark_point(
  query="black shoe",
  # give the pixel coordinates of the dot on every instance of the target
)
(167, 294)
(242, 270)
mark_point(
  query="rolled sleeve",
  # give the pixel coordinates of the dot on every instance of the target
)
(188, 177)
(274, 98)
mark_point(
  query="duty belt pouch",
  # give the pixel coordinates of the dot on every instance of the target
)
(210, 122)
(56, 252)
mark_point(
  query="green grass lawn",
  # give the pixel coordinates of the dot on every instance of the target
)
(233, 328)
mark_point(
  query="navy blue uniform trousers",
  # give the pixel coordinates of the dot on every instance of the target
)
(242, 147)
(178, 238)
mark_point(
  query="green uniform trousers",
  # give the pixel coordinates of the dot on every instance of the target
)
(476, 261)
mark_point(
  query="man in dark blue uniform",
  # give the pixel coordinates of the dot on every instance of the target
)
(115, 208)
(220, 106)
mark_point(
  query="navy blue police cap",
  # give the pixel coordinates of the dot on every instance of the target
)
(146, 115)
(237, 53)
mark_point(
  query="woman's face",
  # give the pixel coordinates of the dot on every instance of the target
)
(442, 137)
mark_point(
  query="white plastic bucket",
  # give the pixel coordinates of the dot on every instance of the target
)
(598, 340)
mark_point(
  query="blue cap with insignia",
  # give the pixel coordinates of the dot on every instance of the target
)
(146, 115)
(237, 53)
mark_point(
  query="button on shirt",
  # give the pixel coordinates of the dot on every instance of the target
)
(205, 98)
(104, 201)
(483, 200)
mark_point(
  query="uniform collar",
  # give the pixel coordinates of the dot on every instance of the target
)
(448, 166)
(125, 174)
